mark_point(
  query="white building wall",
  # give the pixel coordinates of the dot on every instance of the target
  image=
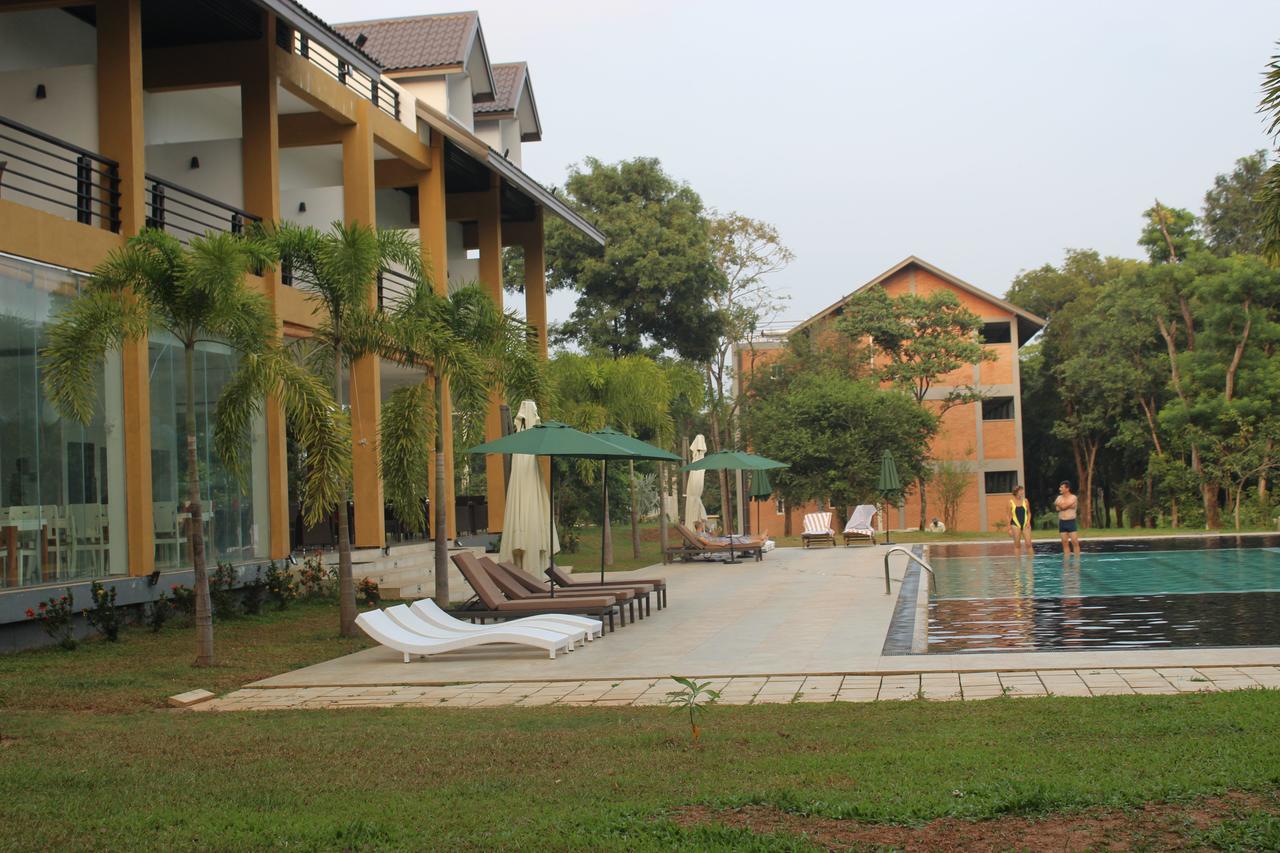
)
(43, 38)
(221, 172)
(460, 104)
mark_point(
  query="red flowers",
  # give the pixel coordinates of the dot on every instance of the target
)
(31, 614)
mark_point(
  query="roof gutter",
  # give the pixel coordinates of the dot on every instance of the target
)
(480, 150)
(318, 31)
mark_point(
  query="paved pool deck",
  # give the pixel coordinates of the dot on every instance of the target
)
(801, 625)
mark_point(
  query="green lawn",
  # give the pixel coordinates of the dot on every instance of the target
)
(90, 761)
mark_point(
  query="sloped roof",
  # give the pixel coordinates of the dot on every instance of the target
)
(1028, 323)
(421, 41)
(511, 86)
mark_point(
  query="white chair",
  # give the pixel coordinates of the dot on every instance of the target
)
(386, 632)
(817, 528)
(430, 612)
(860, 526)
(405, 618)
(88, 537)
(167, 535)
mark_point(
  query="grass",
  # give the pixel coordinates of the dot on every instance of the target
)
(143, 668)
(587, 557)
(87, 760)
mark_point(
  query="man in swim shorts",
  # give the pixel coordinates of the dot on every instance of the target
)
(1020, 520)
(1066, 504)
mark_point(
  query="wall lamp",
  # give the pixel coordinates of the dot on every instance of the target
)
(153, 578)
(195, 162)
(291, 560)
(302, 207)
(41, 92)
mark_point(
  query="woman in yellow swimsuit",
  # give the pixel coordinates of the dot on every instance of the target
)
(1020, 520)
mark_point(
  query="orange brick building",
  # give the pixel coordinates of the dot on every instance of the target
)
(986, 437)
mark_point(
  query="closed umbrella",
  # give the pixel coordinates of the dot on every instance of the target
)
(526, 541)
(761, 491)
(694, 511)
(640, 450)
(551, 438)
(732, 460)
(890, 484)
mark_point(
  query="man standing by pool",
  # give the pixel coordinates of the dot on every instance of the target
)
(1065, 504)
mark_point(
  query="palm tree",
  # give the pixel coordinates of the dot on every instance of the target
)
(632, 393)
(339, 270)
(465, 346)
(197, 294)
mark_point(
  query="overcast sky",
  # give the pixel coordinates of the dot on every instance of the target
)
(984, 137)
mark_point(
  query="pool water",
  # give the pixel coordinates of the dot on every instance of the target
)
(1206, 591)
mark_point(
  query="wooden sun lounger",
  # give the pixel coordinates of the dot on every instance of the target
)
(529, 582)
(817, 528)
(695, 547)
(515, 588)
(566, 580)
(494, 605)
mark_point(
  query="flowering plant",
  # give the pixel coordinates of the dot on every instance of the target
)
(55, 617)
(184, 599)
(103, 615)
(280, 585)
(317, 578)
(367, 589)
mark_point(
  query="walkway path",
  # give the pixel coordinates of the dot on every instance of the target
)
(763, 690)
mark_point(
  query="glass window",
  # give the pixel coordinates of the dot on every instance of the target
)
(997, 409)
(234, 521)
(1001, 482)
(997, 333)
(61, 483)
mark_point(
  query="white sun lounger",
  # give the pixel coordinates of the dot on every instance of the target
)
(410, 621)
(428, 611)
(386, 632)
(860, 524)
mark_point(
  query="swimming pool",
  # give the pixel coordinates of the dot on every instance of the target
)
(1119, 594)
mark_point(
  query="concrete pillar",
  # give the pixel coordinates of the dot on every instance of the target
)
(489, 230)
(121, 138)
(260, 147)
(365, 398)
(433, 239)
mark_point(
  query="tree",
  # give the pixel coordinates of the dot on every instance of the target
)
(338, 271)
(953, 480)
(1169, 233)
(464, 345)
(917, 341)
(746, 251)
(198, 293)
(1269, 195)
(831, 431)
(632, 393)
(649, 288)
(1232, 213)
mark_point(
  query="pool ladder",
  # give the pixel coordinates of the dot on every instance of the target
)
(898, 549)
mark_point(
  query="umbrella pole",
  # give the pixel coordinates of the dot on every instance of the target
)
(604, 501)
(551, 526)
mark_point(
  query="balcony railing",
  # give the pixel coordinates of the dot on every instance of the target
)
(392, 285)
(53, 175)
(186, 213)
(383, 96)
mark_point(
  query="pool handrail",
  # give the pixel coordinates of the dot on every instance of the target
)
(911, 556)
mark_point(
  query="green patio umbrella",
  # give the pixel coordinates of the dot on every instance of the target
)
(889, 484)
(640, 450)
(733, 460)
(761, 491)
(552, 438)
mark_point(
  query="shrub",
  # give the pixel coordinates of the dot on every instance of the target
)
(103, 616)
(221, 597)
(252, 593)
(367, 589)
(158, 613)
(184, 599)
(317, 579)
(55, 617)
(280, 585)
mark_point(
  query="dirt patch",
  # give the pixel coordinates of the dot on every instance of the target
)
(1156, 826)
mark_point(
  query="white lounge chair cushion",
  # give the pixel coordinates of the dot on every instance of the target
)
(410, 621)
(818, 524)
(387, 632)
(429, 611)
(860, 520)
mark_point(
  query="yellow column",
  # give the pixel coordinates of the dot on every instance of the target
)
(365, 396)
(490, 238)
(535, 299)
(261, 158)
(434, 241)
(120, 137)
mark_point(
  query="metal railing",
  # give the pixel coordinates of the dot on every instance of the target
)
(186, 213)
(397, 281)
(898, 549)
(382, 95)
(50, 173)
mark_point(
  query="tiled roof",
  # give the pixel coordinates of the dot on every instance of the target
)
(508, 77)
(423, 41)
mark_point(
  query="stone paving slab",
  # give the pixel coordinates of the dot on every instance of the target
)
(860, 687)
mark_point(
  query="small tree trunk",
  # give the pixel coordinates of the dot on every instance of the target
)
(1212, 515)
(1173, 513)
(662, 509)
(195, 523)
(635, 514)
(441, 510)
(606, 544)
(924, 506)
(346, 583)
(1239, 493)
